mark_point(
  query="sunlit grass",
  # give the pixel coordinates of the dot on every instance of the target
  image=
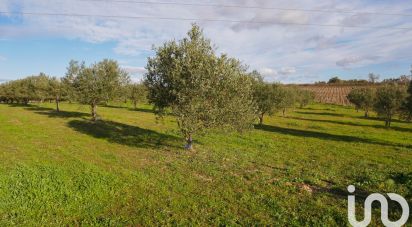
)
(129, 168)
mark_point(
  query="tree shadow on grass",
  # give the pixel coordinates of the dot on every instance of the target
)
(404, 179)
(378, 119)
(63, 114)
(142, 110)
(324, 136)
(115, 107)
(130, 108)
(124, 134)
(396, 128)
(51, 112)
(322, 113)
(30, 107)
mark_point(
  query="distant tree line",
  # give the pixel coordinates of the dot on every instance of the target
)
(92, 85)
(373, 79)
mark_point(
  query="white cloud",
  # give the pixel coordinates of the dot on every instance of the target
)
(136, 73)
(283, 73)
(134, 70)
(270, 18)
(287, 70)
(268, 72)
(281, 52)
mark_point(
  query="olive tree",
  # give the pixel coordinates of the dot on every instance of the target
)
(362, 98)
(56, 91)
(389, 99)
(407, 105)
(73, 71)
(7, 92)
(202, 90)
(137, 93)
(304, 97)
(38, 87)
(287, 96)
(97, 83)
(3, 97)
(265, 96)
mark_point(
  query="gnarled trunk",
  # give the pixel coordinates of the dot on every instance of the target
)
(57, 104)
(388, 120)
(261, 119)
(94, 111)
(189, 142)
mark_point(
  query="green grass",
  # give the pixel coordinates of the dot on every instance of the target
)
(129, 169)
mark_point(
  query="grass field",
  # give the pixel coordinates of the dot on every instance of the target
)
(129, 169)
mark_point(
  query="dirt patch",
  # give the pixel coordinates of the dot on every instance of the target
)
(306, 188)
(15, 122)
(203, 178)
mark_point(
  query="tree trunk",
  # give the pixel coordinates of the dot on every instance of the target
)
(94, 112)
(388, 120)
(189, 142)
(135, 105)
(261, 119)
(284, 112)
(366, 113)
(57, 104)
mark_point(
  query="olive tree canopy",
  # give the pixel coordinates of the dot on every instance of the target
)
(95, 84)
(201, 89)
(407, 105)
(389, 99)
(362, 98)
(267, 97)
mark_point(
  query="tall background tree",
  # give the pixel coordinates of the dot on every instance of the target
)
(73, 71)
(389, 99)
(96, 84)
(202, 90)
(38, 87)
(373, 78)
(334, 80)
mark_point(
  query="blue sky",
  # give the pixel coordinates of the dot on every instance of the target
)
(278, 49)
